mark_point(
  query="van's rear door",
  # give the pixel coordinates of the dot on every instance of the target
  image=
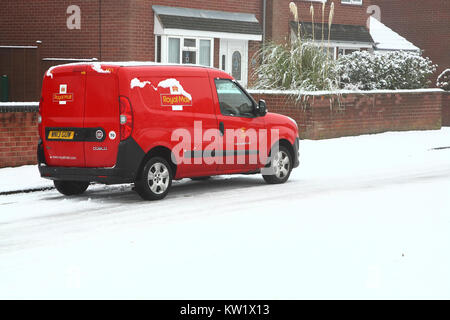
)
(101, 116)
(62, 111)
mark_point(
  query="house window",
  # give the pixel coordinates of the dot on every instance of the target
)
(174, 50)
(205, 52)
(189, 50)
(346, 51)
(236, 65)
(158, 49)
(359, 2)
(330, 51)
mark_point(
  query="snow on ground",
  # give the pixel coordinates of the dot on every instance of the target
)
(362, 217)
(22, 178)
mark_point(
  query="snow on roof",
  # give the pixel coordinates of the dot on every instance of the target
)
(19, 104)
(206, 14)
(97, 65)
(387, 39)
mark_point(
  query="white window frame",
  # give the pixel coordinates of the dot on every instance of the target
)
(352, 2)
(345, 49)
(165, 48)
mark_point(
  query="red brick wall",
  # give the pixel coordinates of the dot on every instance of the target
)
(355, 114)
(126, 26)
(424, 23)
(217, 62)
(279, 15)
(446, 109)
(18, 138)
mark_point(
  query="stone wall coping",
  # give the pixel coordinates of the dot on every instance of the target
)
(325, 93)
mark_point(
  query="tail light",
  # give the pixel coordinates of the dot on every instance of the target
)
(39, 117)
(125, 118)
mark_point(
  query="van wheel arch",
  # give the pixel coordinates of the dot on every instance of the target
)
(158, 151)
(285, 143)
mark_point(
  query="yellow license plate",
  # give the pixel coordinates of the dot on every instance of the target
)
(61, 135)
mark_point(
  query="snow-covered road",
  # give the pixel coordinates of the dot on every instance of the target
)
(362, 217)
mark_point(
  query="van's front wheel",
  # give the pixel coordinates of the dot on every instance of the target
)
(71, 188)
(280, 165)
(155, 180)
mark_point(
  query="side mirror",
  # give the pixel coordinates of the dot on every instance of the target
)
(262, 109)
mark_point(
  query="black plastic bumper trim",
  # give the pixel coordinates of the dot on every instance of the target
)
(129, 158)
(296, 152)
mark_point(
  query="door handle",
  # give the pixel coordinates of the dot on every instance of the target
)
(221, 128)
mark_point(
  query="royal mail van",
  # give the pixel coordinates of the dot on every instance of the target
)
(148, 124)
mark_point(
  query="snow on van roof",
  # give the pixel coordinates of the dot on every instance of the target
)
(97, 65)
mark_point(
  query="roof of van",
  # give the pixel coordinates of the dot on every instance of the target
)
(97, 65)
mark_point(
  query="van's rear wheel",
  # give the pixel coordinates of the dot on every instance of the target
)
(281, 165)
(71, 188)
(155, 180)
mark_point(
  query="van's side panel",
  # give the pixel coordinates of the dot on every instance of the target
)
(62, 111)
(168, 104)
(102, 115)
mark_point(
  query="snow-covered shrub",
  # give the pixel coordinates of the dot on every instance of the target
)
(297, 65)
(390, 70)
(443, 81)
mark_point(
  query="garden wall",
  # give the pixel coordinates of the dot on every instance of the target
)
(320, 116)
(18, 135)
(446, 109)
(323, 116)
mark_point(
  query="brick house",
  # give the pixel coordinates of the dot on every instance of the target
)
(425, 23)
(223, 34)
(208, 33)
(349, 30)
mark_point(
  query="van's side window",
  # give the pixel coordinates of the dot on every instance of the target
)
(233, 101)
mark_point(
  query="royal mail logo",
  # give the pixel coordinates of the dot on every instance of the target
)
(169, 100)
(62, 97)
(178, 97)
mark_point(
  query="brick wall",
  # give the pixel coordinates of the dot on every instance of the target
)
(354, 114)
(278, 15)
(424, 23)
(446, 109)
(126, 26)
(111, 30)
(18, 138)
(323, 117)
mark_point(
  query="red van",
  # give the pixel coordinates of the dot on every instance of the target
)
(147, 124)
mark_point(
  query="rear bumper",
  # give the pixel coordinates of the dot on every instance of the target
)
(102, 175)
(129, 158)
(296, 152)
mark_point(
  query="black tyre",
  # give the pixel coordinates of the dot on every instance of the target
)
(155, 180)
(71, 188)
(200, 178)
(281, 165)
